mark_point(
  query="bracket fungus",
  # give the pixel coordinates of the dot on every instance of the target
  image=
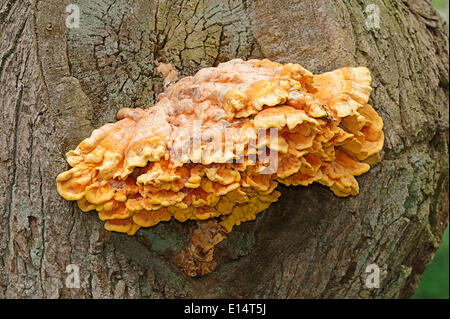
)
(216, 145)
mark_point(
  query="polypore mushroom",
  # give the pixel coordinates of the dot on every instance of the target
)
(216, 145)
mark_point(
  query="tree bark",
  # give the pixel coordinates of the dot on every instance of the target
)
(58, 84)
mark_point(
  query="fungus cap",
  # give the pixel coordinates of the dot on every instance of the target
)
(205, 150)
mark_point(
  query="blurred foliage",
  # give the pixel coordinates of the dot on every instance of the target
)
(442, 7)
(434, 282)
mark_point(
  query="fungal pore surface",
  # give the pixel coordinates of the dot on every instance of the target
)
(215, 146)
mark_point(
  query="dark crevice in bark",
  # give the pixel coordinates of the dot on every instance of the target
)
(13, 47)
(14, 158)
(5, 11)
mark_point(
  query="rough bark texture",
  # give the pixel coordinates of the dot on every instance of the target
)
(58, 84)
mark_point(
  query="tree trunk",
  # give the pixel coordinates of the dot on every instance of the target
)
(59, 83)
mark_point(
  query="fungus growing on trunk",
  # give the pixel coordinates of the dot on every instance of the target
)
(216, 145)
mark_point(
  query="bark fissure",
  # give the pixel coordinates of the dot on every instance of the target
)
(14, 158)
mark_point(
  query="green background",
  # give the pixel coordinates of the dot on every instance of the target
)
(442, 7)
(434, 282)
